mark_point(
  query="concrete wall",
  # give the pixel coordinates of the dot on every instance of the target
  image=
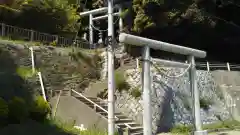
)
(70, 109)
(226, 77)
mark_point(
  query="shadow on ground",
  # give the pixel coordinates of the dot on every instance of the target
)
(31, 127)
(166, 119)
(13, 85)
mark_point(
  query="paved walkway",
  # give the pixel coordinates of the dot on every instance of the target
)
(226, 133)
(219, 133)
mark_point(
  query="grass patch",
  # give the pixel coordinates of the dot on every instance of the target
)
(185, 129)
(136, 92)
(21, 41)
(25, 72)
(181, 129)
(121, 83)
(69, 128)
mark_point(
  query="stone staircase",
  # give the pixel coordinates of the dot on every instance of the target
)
(122, 122)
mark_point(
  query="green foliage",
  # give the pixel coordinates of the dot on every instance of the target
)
(3, 111)
(18, 109)
(120, 81)
(40, 109)
(25, 72)
(124, 13)
(3, 108)
(181, 129)
(205, 103)
(54, 43)
(57, 14)
(103, 94)
(90, 65)
(69, 128)
(136, 92)
(231, 124)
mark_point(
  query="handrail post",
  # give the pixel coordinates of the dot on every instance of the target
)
(3, 29)
(95, 107)
(208, 67)
(32, 58)
(32, 35)
(228, 66)
(137, 62)
(42, 86)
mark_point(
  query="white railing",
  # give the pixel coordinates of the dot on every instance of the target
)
(98, 106)
(42, 86)
(208, 65)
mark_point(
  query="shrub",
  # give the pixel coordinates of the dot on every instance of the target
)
(25, 72)
(54, 43)
(40, 109)
(120, 81)
(136, 92)
(103, 94)
(204, 103)
(180, 128)
(18, 110)
(3, 111)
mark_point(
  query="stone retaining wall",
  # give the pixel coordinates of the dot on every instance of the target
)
(171, 99)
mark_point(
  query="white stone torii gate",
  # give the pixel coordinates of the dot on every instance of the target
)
(92, 19)
(191, 53)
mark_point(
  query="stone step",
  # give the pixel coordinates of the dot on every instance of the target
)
(95, 100)
(122, 120)
(137, 133)
(136, 129)
(127, 120)
(123, 125)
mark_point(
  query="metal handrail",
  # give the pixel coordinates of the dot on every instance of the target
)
(97, 106)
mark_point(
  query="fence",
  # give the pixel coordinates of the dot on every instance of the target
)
(217, 66)
(209, 66)
(16, 33)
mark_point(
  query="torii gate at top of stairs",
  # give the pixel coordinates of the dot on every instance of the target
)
(91, 13)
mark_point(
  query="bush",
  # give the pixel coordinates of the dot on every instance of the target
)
(3, 111)
(40, 109)
(103, 94)
(54, 43)
(204, 103)
(25, 72)
(181, 129)
(136, 92)
(18, 110)
(120, 81)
